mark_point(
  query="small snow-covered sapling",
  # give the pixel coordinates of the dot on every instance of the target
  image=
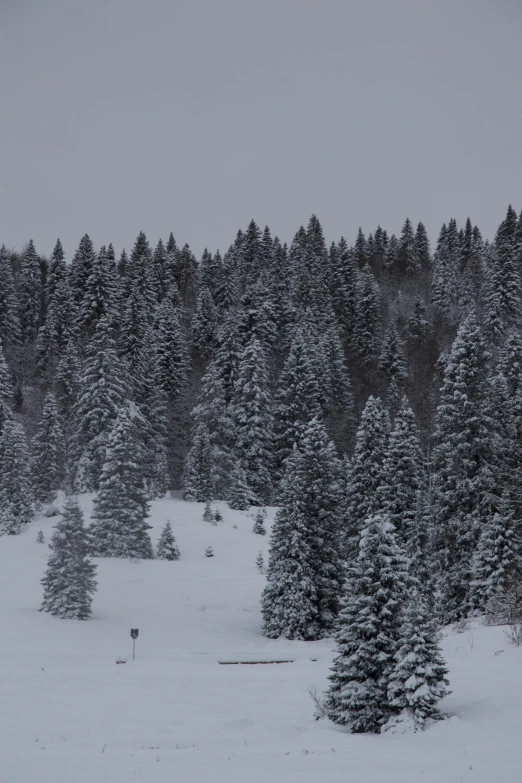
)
(218, 516)
(208, 514)
(167, 547)
(209, 552)
(40, 538)
(260, 563)
(259, 524)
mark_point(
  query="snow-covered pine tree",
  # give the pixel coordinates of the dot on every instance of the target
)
(101, 293)
(497, 562)
(446, 287)
(208, 514)
(503, 283)
(417, 681)
(198, 480)
(135, 324)
(251, 416)
(171, 350)
(392, 359)
(119, 521)
(259, 524)
(6, 383)
(69, 583)
(10, 333)
(59, 328)
(172, 374)
(80, 268)
(48, 463)
(67, 381)
(297, 396)
(104, 387)
(40, 537)
(167, 548)
(152, 423)
(30, 293)
(15, 481)
(403, 476)
(367, 316)
(209, 552)
(368, 630)
(260, 563)
(305, 570)
(211, 423)
(465, 462)
(240, 496)
(366, 471)
(205, 323)
(56, 273)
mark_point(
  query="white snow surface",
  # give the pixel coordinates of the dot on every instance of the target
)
(70, 714)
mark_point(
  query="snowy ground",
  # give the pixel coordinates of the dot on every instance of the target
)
(69, 714)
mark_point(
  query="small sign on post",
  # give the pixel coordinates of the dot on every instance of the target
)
(134, 635)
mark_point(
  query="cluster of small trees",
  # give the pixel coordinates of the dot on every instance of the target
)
(69, 582)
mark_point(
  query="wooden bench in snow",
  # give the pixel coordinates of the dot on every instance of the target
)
(253, 662)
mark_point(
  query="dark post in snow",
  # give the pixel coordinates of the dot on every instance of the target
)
(134, 635)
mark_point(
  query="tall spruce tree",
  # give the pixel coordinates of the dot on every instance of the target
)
(69, 582)
(119, 527)
(252, 420)
(298, 396)
(15, 481)
(465, 462)
(366, 472)
(403, 477)
(10, 331)
(30, 293)
(48, 464)
(305, 571)
(104, 387)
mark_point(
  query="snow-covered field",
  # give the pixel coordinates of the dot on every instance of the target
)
(70, 714)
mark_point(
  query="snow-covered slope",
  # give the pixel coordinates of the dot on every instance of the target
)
(69, 714)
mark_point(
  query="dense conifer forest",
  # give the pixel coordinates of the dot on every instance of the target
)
(372, 391)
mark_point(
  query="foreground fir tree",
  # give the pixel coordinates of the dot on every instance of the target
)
(48, 453)
(119, 520)
(15, 480)
(418, 679)
(69, 583)
(305, 572)
(368, 631)
(167, 547)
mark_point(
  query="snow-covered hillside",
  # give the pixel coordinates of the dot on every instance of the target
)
(175, 715)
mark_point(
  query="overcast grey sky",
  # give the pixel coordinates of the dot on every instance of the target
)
(193, 116)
